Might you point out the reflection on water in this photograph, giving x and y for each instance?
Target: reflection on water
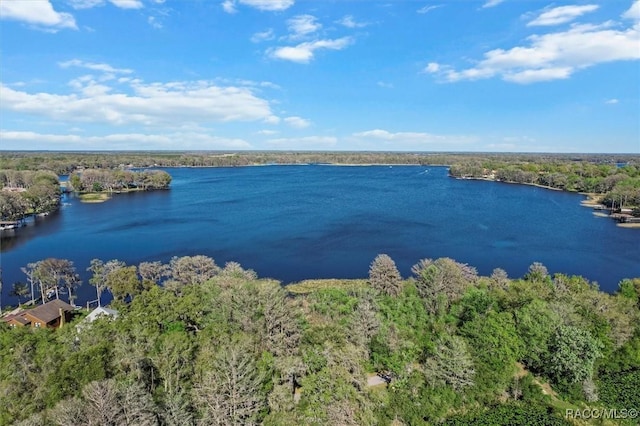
(34, 227)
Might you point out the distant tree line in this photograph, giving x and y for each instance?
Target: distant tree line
(618, 186)
(99, 180)
(67, 162)
(200, 344)
(27, 192)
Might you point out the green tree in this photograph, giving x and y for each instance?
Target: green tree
(12, 206)
(536, 324)
(495, 346)
(19, 290)
(123, 282)
(572, 355)
(100, 272)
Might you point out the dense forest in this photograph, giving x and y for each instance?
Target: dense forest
(99, 180)
(25, 192)
(196, 343)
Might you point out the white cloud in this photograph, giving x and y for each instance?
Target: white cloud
(267, 5)
(562, 14)
(139, 103)
(122, 4)
(303, 52)
(304, 143)
(303, 25)
(173, 140)
(412, 140)
(297, 122)
(85, 4)
(429, 8)
(267, 132)
(349, 22)
(229, 6)
(633, 12)
(552, 56)
(385, 85)
(36, 12)
(611, 101)
(263, 36)
(127, 4)
(154, 22)
(492, 3)
(534, 76)
(270, 5)
(432, 67)
(94, 66)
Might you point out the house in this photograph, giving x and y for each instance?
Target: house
(101, 312)
(52, 314)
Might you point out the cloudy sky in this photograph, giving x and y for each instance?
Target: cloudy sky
(405, 75)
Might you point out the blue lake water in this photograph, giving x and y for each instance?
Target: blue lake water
(298, 222)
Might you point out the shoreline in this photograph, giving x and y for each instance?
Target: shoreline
(488, 179)
(591, 200)
(101, 197)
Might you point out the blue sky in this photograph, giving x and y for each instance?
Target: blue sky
(396, 75)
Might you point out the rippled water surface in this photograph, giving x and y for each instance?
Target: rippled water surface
(297, 222)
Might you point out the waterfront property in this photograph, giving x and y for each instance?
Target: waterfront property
(53, 314)
(9, 224)
(101, 312)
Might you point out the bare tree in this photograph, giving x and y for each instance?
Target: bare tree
(384, 276)
(230, 393)
(176, 411)
(281, 330)
(193, 269)
(30, 271)
(499, 279)
(153, 272)
(70, 412)
(442, 281)
(537, 272)
(451, 363)
(53, 274)
(234, 270)
(102, 403)
(137, 405)
(365, 322)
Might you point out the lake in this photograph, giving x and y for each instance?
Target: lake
(298, 222)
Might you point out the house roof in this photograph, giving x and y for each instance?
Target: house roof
(49, 311)
(19, 318)
(101, 311)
